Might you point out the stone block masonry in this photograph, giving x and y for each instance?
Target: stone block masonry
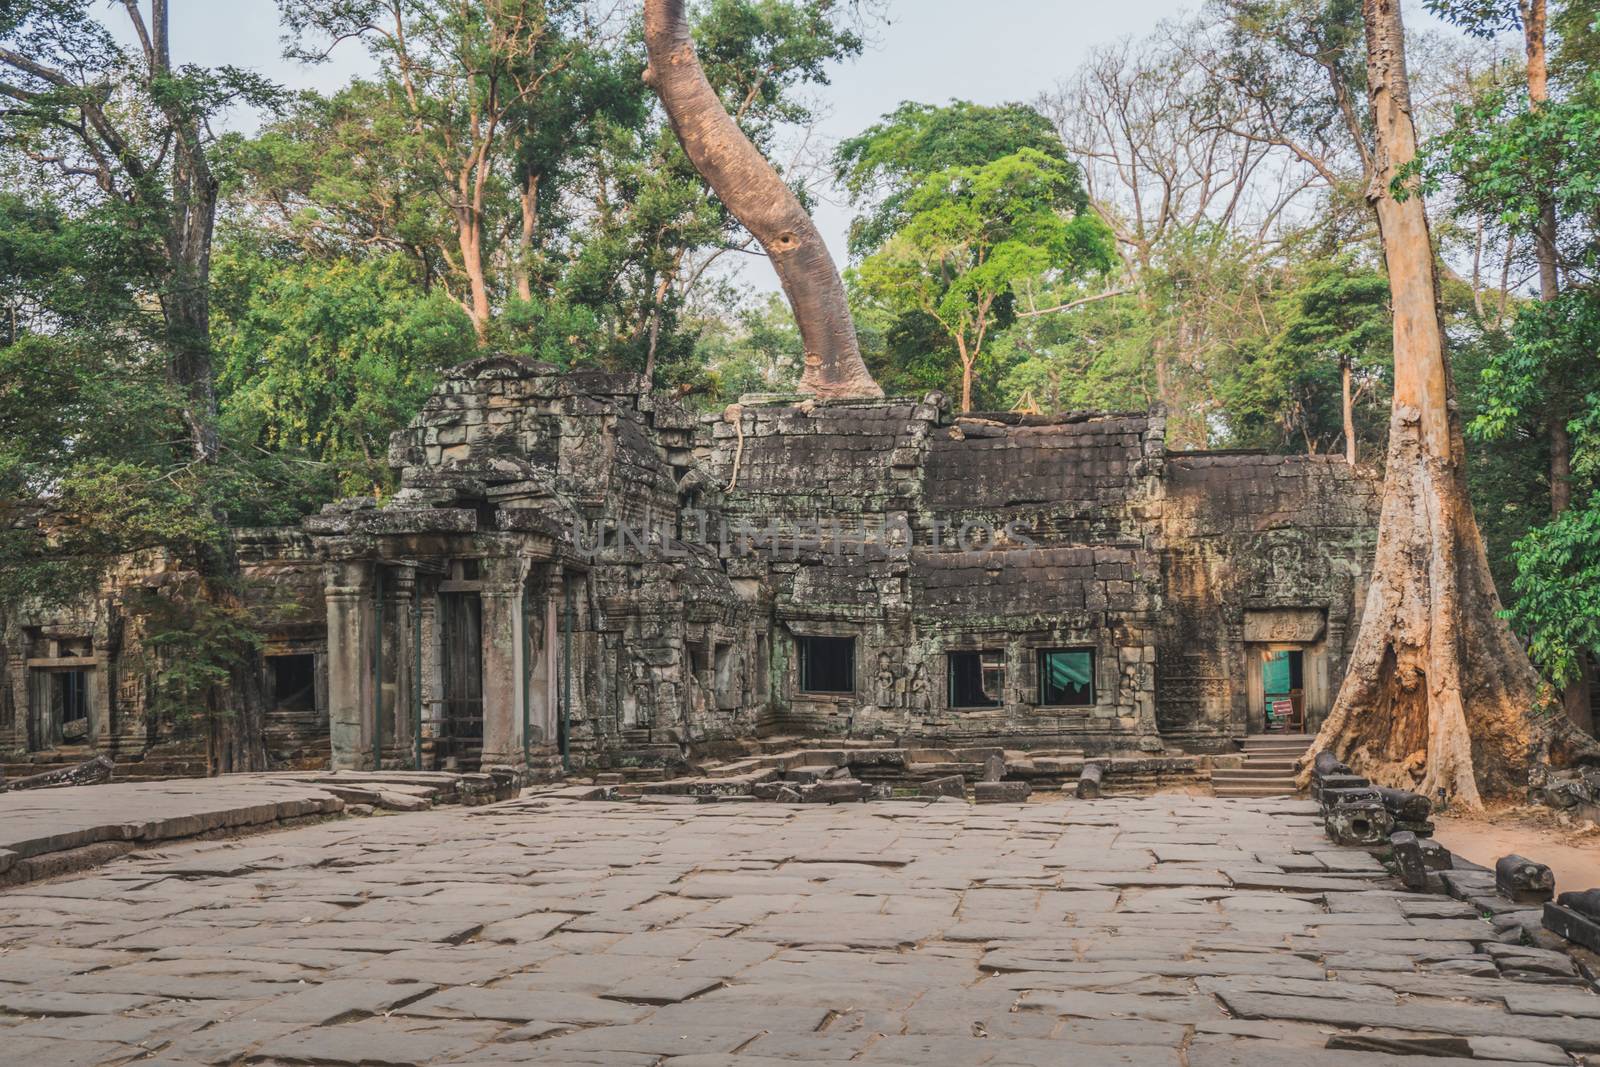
(576, 572)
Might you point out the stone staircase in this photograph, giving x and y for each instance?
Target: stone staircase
(1268, 769)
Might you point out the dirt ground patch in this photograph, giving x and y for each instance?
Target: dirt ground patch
(1573, 853)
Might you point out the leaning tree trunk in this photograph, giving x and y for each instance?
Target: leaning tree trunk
(759, 199)
(1438, 694)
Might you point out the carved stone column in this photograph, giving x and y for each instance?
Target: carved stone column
(502, 663)
(14, 703)
(347, 590)
(399, 664)
(432, 668)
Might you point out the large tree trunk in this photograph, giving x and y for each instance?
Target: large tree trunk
(759, 199)
(1438, 695)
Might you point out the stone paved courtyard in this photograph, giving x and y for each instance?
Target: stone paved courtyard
(1156, 931)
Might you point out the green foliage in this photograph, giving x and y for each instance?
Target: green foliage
(756, 53)
(759, 351)
(973, 235)
(1558, 591)
(1503, 157)
(190, 647)
(325, 360)
(883, 165)
(1337, 316)
(1481, 18)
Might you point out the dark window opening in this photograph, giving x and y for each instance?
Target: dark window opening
(1066, 677)
(72, 695)
(827, 664)
(977, 679)
(294, 682)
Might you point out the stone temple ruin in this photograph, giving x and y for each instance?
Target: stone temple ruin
(579, 573)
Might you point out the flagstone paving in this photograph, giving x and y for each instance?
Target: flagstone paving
(1170, 930)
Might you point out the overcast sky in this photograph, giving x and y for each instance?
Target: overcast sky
(991, 51)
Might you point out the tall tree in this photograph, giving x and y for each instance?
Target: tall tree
(460, 73)
(752, 190)
(1512, 162)
(1438, 694)
(1199, 169)
(973, 236)
(881, 167)
(126, 130)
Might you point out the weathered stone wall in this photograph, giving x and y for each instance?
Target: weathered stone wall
(996, 534)
(646, 578)
(1247, 539)
(103, 635)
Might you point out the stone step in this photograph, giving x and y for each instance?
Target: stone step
(1274, 753)
(1289, 740)
(1270, 763)
(1254, 774)
(1253, 791)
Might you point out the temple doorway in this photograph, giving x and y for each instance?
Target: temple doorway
(459, 743)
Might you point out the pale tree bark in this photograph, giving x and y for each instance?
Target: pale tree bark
(1438, 695)
(755, 194)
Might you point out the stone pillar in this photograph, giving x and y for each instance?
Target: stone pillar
(347, 589)
(101, 678)
(399, 664)
(502, 663)
(14, 711)
(432, 670)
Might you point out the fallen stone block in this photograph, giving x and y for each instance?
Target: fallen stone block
(1575, 927)
(1524, 881)
(90, 772)
(1326, 763)
(836, 791)
(1434, 855)
(1001, 792)
(1363, 824)
(949, 786)
(1421, 829)
(1406, 806)
(1467, 884)
(1408, 859)
(1319, 784)
(1089, 781)
(1355, 796)
(1585, 902)
(390, 801)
